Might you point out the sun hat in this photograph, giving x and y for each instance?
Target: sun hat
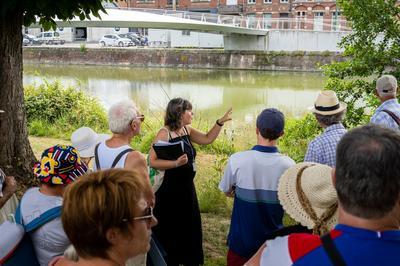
(59, 165)
(272, 119)
(386, 85)
(327, 103)
(307, 194)
(84, 139)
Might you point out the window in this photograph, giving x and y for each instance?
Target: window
(251, 20)
(285, 1)
(186, 33)
(267, 20)
(301, 14)
(267, 1)
(284, 20)
(56, 34)
(251, 2)
(336, 21)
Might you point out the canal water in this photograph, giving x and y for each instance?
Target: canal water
(210, 91)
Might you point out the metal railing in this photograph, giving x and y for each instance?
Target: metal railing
(250, 22)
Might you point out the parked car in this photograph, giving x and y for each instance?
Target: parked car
(30, 40)
(115, 40)
(25, 41)
(50, 37)
(132, 36)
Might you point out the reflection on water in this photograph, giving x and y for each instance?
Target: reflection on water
(210, 91)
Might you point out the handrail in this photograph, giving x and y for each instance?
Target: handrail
(250, 22)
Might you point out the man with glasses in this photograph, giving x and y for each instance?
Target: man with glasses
(124, 120)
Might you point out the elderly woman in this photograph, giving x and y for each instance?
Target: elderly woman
(107, 218)
(177, 209)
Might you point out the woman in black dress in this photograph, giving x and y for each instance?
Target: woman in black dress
(177, 209)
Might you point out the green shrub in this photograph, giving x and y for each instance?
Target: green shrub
(211, 199)
(298, 133)
(55, 111)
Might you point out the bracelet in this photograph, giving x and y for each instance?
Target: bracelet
(218, 123)
(176, 164)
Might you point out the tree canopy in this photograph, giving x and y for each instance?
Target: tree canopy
(16, 156)
(45, 11)
(372, 49)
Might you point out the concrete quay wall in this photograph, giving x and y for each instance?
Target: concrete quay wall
(181, 58)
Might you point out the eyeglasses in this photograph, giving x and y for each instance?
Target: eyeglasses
(140, 117)
(148, 216)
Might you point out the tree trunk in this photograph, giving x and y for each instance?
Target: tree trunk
(16, 156)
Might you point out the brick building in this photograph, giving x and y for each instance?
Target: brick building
(271, 14)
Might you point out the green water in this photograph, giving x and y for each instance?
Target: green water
(210, 91)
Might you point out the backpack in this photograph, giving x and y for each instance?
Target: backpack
(16, 247)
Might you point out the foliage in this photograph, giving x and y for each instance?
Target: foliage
(211, 199)
(83, 48)
(56, 111)
(298, 133)
(373, 48)
(45, 11)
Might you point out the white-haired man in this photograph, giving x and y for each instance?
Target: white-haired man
(388, 113)
(124, 121)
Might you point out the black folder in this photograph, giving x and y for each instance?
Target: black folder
(168, 150)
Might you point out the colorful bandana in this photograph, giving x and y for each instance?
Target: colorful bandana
(60, 165)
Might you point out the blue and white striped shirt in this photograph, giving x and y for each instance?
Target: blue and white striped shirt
(384, 119)
(322, 149)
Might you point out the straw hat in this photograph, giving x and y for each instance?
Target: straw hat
(84, 139)
(316, 184)
(327, 103)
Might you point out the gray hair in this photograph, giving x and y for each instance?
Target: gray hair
(386, 85)
(120, 116)
(329, 120)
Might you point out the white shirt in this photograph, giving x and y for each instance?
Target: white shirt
(107, 156)
(49, 240)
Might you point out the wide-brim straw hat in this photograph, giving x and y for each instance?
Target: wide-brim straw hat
(84, 139)
(316, 183)
(327, 103)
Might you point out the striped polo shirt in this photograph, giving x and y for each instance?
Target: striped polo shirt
(254, 175)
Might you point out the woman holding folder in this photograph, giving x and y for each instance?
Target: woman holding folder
(177, 209)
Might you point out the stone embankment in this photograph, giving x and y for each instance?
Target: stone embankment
(181, 58)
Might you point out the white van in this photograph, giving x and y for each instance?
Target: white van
(50, 37)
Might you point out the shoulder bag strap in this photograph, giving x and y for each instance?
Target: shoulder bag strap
(43, 218)
(332, 251)
(96, 157)
(186, 131)
(393, 116)
(116, 160)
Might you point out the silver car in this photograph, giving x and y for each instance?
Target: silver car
(115, 40)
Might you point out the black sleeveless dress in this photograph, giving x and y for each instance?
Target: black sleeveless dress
(177, 211)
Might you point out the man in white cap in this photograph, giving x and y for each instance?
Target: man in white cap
(329, 113)
(388, 113)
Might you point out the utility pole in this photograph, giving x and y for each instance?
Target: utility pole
(174, 5)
